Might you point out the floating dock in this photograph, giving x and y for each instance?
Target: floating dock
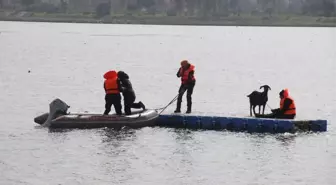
(57, 117)
(251, 125)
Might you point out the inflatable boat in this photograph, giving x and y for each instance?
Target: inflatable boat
(59, 118)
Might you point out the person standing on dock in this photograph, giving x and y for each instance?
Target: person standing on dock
(112, 88)
(188, 81)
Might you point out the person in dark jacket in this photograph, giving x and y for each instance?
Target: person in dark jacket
(287, 108)
(128, 94)
(188, 81)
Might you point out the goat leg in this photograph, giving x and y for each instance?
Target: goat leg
(263, 109)
(250, 109)
(259, 109)
(254, 110)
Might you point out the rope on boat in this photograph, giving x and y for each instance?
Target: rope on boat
(164, 108)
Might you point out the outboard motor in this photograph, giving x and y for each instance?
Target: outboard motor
(56, 108)
(41, 118)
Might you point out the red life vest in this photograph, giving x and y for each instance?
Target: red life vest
(185, 74)
(292, 108)
(111, 86)
(111, 82)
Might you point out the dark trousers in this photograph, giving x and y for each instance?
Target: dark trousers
(115, 100)
(183, 88)
(129, 103)
(276, 114)
(280, 115)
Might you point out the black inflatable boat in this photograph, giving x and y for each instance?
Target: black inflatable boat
(59, 118)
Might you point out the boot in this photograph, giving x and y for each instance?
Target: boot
(178, 105)
(188, 110)
(142, 105)
(178, 108)
(188, 103)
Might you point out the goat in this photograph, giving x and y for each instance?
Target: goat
(258, 99)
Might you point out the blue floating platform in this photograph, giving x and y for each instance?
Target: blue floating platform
(248, 124)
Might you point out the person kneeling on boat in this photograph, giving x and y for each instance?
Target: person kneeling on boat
(128, 94)
(287, 108)
(112, 88)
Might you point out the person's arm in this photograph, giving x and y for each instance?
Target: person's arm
(120, 87)
(104, 86)
(287, 103)
(190, 76)
(178, 73)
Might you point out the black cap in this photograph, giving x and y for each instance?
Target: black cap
(122, 75)
(281, 93)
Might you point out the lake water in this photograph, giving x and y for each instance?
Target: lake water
(67, 61)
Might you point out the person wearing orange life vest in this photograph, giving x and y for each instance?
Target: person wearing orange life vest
(287, 108)
(112, 88)
(188, 81)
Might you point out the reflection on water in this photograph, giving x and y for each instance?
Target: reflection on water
(116, 138)
(286, 139)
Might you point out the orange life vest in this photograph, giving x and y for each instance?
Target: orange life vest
(185, 74)
(292, 108)
(111, 82)
(111, 86)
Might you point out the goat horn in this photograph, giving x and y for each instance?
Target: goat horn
(266, 86)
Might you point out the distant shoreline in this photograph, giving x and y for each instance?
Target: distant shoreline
(290, 21)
